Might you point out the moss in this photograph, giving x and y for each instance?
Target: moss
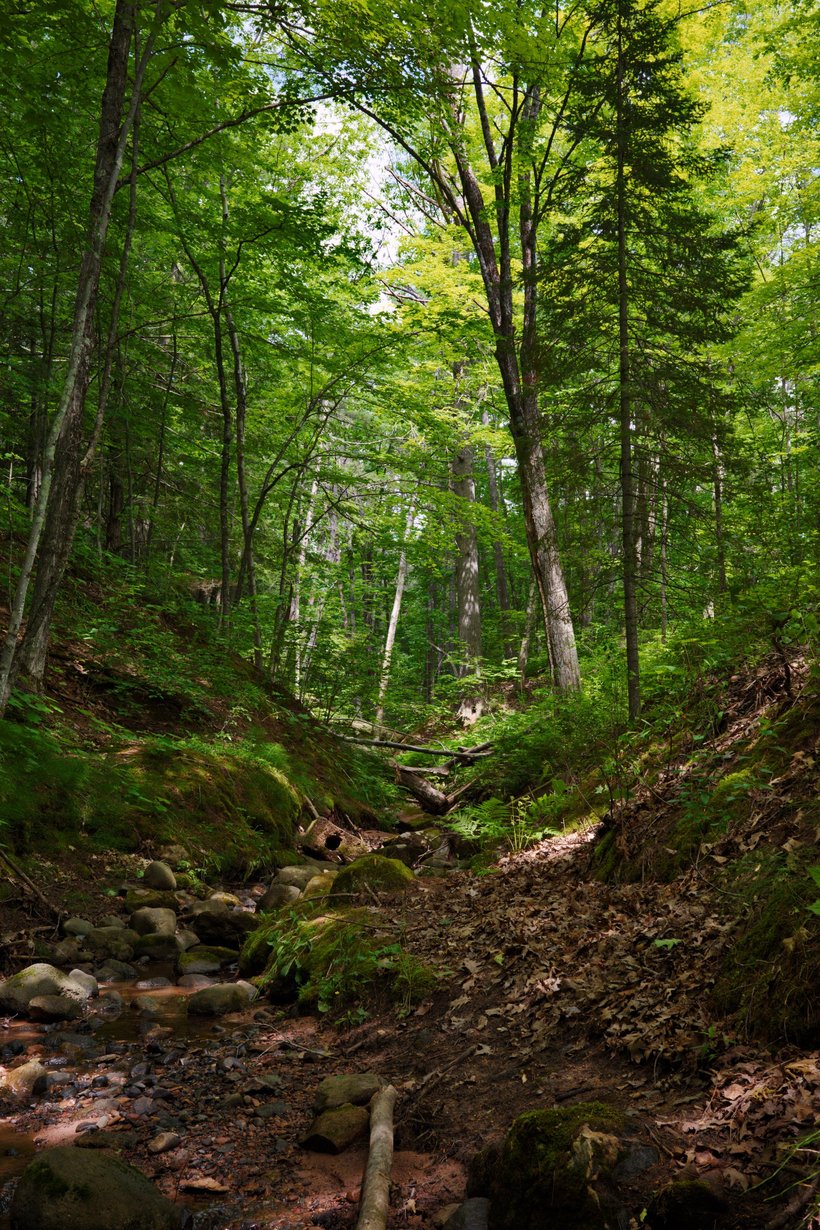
(686, 1204)
(537, 1172)
(41, 1175)
(373, 872)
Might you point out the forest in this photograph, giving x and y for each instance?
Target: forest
(409, 697)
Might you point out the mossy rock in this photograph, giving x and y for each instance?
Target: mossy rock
(553, 1168)
(157, 947)
(150, 899)
(687, 1204)
(319, 886)
(256, 950)
(203, 959)
(373, 873)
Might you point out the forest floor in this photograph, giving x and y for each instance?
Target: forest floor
(552, 990)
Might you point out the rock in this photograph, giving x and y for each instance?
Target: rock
(221, 926)
(149, 898)
(205, 960)
(164, 1141)
(18, 991)
(150, 920)
(112, 999)
(88, 1189)
(87, 981)
(473, 1214)
(635, 1161)
(295, 877)
(54, 1008)
(318, 886)
(157, 947)
(148, 1005)
(277, 896)
(67, 952)
(441, 1216)
(187, 939)
(194, 982)
(116, 971)
(687, 1204)
(355, 1089)
(228, 899)
(116, 942)
(336, 1130)
(77, 927)
(159, 875)
(374, 873)
(219, 999)
(21, 1082)
(111, 920)
(173, 855)
(553, 1167)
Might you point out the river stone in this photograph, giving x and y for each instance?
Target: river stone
(318, 886)
(336, 1130)
(149, 1005)
(355, 1088)
(116, 942)
(111, 920)
(164, 1141)
(17, 991)
(222, 997)
(67, 952)
(86, 1189)
(54, 1008)
(204, 959)
(222, 898)
(187, 939)
(277, 896)
(87, 981)
(159, 875)
(195, 982)
(227, 929)
(20, 1082)
(157, 947)
(152, 921)
(149, 898)
(295, 877)
(115, 971)
(473, 1214)
(77, 926)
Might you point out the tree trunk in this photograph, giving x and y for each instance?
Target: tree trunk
(52, 527)
(501, 587)
(393, 624)
(468, 593)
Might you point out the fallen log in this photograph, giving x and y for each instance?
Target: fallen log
(463, 753)
(431, 800)
(375, 1201)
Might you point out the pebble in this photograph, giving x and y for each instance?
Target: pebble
(142, 1106)
(164, 1141)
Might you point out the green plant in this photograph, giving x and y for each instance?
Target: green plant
(814, 874)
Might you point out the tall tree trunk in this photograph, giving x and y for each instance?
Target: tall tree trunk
(529, 622)
(393, 623)
(502, 591)
(630, 563)
(717, 499)
(468, 592)
(53, 522)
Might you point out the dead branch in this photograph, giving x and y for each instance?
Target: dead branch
(375, 1202)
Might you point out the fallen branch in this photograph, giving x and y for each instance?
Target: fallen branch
(462, 754)
(432, 800)
(375, 1202)
(23, 881)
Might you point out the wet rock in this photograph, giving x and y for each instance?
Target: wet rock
(149, 920)
(159, 875)
(86, 1189)
(553, 1167)
(355, 1089)
(112, 920)
(20, 1082)
(336, 1130)
(77, 927)
(85, 980)
(219, 999)
(204, 959)
(277, 896)
(687, 1204)
(54, 1008)
(164, 1141)
(195, 982)
(187, 939)
(228, 899)
(116, 942)
(149, 1005)
(17, 991)
(116, 971)
(154, 984)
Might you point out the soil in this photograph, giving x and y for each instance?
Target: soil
(551, 990)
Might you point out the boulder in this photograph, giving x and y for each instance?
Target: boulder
(149, 898)
(54, 1008)
(77, 926)
(278, 895)
(88, 1189)
(219, 999)
(205, 960)
(158, 947)
(553, 1167)
(318, 886)
(687, 1204)
(21, 1082)
(187, 939)
(67, 952)
(116, 942)
(336, 1130)
(295, 877)
(373, 873)
(221, 926)
(20, 989)
(355, 1089)
(111, 920)
(87, 981)
(151, 920)
(159, 875)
